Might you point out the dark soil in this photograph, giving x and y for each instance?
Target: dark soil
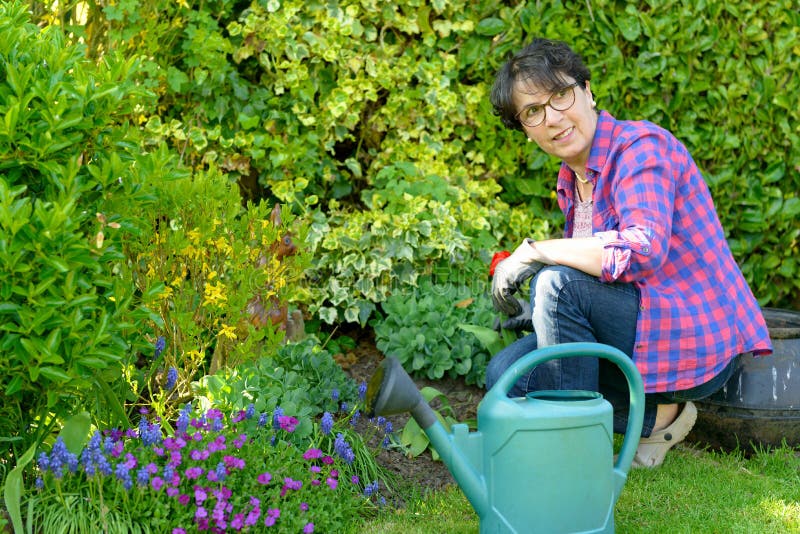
(422, 470)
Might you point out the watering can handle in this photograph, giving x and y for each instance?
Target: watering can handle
(568, 350)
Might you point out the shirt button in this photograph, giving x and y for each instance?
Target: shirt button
(642, 307)
(646, 250)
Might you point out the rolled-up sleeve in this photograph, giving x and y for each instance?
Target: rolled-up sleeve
(618, 248)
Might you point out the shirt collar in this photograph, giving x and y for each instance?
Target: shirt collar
(597, 156)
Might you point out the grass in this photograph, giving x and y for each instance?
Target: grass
(694, 491)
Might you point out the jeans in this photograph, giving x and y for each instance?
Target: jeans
(570, 305)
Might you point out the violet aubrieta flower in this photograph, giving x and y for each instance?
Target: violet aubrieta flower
(194, 473)
(272, 515)
(288, 423)
(172, 379)
(312, 454)
(327, 423)
(308, 528)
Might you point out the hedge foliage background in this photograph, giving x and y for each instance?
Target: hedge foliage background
(371, 120)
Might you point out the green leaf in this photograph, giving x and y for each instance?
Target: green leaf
(13, 489)
(490, 27)
(75, 432)
(55, 374)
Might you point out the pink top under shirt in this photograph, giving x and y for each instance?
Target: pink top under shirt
(583, 217)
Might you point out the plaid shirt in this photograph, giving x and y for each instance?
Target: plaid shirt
(655, 216)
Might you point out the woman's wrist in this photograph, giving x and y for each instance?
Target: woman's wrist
(540, 256)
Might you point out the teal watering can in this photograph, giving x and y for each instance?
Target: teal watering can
(540, 463)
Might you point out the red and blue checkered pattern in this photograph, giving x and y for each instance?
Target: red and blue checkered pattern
(656, 217)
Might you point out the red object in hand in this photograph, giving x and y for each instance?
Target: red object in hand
(497, 258)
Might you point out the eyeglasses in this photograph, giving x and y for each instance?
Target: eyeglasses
(561, 100)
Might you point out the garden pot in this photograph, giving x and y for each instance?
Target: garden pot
(760, 405)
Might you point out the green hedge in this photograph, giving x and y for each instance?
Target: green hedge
(308, 102)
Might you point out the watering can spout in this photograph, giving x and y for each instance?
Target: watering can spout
(391, 391)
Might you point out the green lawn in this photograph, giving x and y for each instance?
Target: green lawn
(693, 492)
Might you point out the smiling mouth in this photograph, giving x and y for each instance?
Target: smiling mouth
(563, 134)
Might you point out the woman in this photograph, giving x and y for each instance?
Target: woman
(643, 266)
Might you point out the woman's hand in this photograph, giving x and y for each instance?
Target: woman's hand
(509, 275)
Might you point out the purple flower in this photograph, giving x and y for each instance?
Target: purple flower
(272, 515)
(343, 449)
(221, 471)
(232, 462)
(161, 344)
(157, 483)
(199, 455)
(183, 418)
(264, 478)
(172, 378)
(332, 482)
(178, 530)
(355, 418)
(308, 528)
(262, 420)
(194, 472)
(276, 415)
(362, 390)
(251, 411)
(304, 506)
(288, 423)
(312, 454)
(238, 522)
(327, 423)
(150, 434)
(142, 476)
(371, 488)
(240, 441)
(335, 395)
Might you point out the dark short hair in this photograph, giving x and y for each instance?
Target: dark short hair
(544, 63)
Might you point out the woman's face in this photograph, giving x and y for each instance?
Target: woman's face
(566, 134)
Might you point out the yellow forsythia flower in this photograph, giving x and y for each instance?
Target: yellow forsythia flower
(227, 331)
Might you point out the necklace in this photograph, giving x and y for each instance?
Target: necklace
(581, 179)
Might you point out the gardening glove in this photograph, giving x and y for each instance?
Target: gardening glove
(521, 321)
(509, 275)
